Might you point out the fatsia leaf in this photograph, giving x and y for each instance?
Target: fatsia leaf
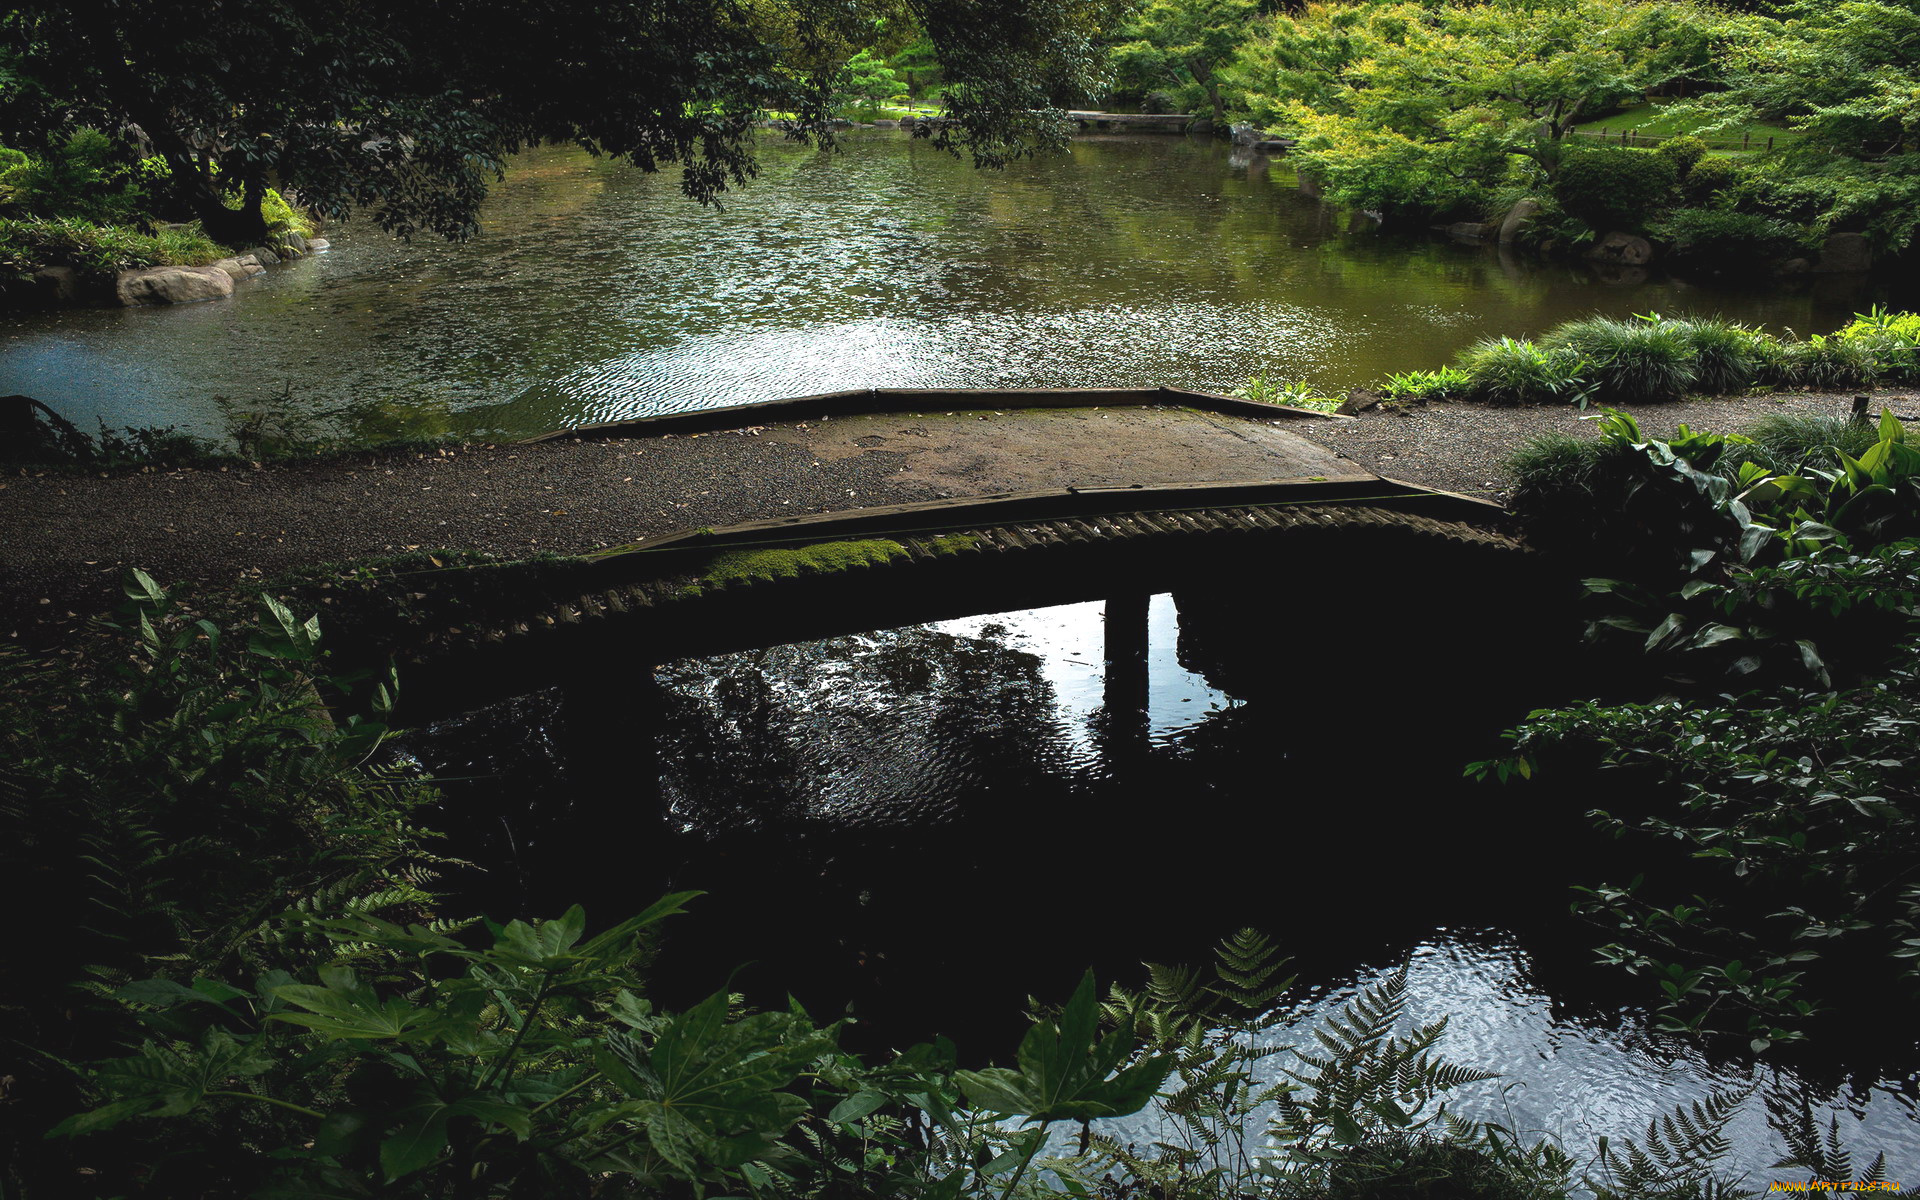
(343, 1007)
(1065, 1070)
(167, 1081)
(415, 1146)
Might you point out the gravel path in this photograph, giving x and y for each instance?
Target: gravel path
(66, 540)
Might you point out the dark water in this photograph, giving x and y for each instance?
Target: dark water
(598, 293)
(931, 823)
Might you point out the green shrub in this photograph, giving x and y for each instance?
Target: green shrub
(1613, 187)
(1642, 360)
(1710, 177)
(1505, 371)
(283, 217)
(1293, 393)
(1684, 153)
(1727, 240)
(78, 178)
(1426, 387)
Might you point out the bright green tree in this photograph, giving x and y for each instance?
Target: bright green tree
(866, 83)
(1430, 108)
(1185, 47)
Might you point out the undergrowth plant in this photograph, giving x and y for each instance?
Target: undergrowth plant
(1290, 392)
(1796, 571)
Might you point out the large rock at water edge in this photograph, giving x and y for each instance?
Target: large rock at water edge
(172, 285)
(59, 285)
(1844, 252)
(1517, 218)
(241, 266)
(1623, 249)
(318, 244)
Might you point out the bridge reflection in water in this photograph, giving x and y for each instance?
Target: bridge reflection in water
(932, 821)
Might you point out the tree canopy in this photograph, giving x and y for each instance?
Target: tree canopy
(1432, 105)
(407, 112)
(1186, 47)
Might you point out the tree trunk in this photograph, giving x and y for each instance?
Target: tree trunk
(239, 227)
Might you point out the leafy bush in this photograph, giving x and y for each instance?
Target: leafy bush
(1426, 387)
(1505, 371)
(1796, 809)
(283, 217)
(1291, 392)
(1613, 187)
(1684, 153)
(1710, 177)
(1641, 360)
(1727, 240)
(1824, 364)
(1789, 442)
(76, 179)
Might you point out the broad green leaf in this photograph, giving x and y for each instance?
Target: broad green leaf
(856, 1106)
(415, 1146)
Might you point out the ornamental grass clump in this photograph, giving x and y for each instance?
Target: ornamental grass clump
(1727, 356)
(1643, 360)
(1506, 371)
(1789, 442)
(1825, 364)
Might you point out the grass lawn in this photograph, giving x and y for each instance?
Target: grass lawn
(1653, 123)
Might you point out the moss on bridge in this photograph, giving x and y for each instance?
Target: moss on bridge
(765, 565)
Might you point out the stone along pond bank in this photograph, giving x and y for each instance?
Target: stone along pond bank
(63, 286)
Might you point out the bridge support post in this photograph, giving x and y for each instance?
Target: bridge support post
(1125, 682)
(616, 813)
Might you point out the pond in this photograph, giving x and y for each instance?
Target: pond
(928, 824)
(598, 293)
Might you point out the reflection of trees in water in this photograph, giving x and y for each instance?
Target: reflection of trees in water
(905, 725)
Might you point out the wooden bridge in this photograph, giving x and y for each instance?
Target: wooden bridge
(813, 575)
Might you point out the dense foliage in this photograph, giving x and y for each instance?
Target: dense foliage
(1776, 584)
(407, 112)
(312, 1028)
(1455, 111)
(1433, 109)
